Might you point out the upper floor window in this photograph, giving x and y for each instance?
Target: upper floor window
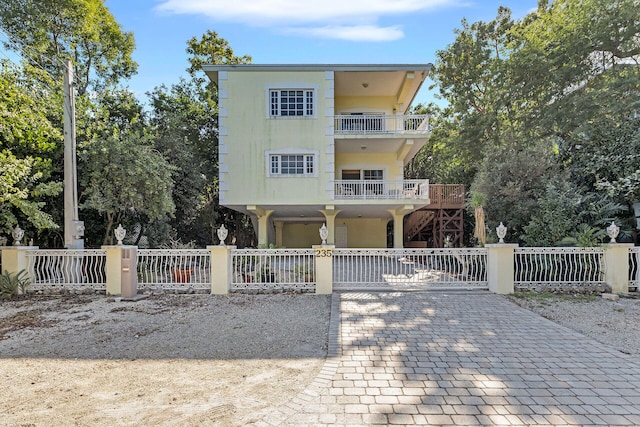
(292, 102)
(292, 164)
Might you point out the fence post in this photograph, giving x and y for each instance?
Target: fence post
(221, 269)
(14, 258)
(114, 267)
(616, 273)
(324, 268)
(500, 267)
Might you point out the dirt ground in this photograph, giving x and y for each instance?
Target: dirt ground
(179, 360)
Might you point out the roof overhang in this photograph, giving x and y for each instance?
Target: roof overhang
(401, 81)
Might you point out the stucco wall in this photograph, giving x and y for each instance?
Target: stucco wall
(386, 161)
(247, 134)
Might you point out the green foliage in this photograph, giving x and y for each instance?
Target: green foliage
(83, 31)
(512, 183)
(564, 76)
(12, 284)
(123, 175)
(211, 49)
(567, 216)
(28, 141)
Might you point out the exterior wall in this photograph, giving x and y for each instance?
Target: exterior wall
(361, 233)
(393, 169)
(365, 104)
(365, 232)
(247, 134)
(301, 235)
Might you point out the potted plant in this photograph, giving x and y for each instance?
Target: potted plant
(181, 270)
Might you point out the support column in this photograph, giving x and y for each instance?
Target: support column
(324, 268)
(617, 267)
(263, 223)
(279, 227)
(398, 224)
(500, 267)
(221, 269)
(330, 214)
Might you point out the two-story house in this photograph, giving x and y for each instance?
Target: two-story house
(303, 145)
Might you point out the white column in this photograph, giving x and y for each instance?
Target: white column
(500, 267)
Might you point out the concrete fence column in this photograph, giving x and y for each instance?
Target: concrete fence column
(500, 267)
(121, 266)
(324, 268)
(221, 269)
(14, 258)
(616, 273)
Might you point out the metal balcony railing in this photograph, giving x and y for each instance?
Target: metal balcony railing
(347, 189)
(371, 124)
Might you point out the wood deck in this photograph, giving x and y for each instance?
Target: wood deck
(446, 196)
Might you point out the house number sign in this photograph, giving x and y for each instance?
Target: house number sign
(324, 253)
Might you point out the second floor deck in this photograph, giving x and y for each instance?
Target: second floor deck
(381, 124)
(439, 196)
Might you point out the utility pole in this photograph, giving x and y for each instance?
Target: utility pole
(73, 227)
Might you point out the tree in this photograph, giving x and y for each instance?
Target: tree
(512, 182)
(49, 32)
(184, 119)
(29, 147)
(211, 49)
(124, 176)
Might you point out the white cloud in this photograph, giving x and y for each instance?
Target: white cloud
(356, 33)
(354, 20)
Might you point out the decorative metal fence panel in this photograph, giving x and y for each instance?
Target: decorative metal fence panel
(556, 267)
(57, 269)
(174, 269)
(449, 268)
(273, 269)
(634, 267)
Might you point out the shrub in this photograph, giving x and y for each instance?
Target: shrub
(12, 284)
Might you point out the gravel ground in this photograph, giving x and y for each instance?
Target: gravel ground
(184, 360)
(178, 360)
(616, 323)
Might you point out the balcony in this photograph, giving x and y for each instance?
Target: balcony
(347, 189)
(381, 124)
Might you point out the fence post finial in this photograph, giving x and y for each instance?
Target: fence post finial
(120, 232)
(501, 231)
(612, 231)
(222, 234)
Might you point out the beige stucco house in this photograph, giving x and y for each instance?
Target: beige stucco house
(303, 145)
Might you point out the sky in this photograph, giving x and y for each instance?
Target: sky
(298, 31)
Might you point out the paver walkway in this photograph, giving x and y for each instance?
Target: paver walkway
(461, 359)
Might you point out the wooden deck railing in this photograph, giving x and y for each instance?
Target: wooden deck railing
(451, 195)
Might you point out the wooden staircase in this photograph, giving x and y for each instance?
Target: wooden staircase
(442, 219)
(416, 222)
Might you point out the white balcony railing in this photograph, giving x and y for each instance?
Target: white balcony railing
(347, 189)
(368, 124)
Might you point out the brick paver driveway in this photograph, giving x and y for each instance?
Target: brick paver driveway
(461, 359)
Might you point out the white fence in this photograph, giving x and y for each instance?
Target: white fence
(295, 269)
(634, 267)
(556, 267)
(273, 269)
(174, 269)
(54, 270)
(410, 268)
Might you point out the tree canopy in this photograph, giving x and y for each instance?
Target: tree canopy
(564, 79)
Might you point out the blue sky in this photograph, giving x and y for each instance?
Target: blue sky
(297, 31)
